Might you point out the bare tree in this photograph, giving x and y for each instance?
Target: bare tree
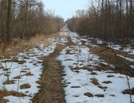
(3, 11)
(9, 19)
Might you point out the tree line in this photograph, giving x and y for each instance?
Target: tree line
(110, 20)
(26, 18)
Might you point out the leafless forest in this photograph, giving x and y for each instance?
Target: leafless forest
(110, 20)
(26, 18)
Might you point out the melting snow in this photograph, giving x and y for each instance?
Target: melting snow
(79, 86)
(78, 82)
(26, 70)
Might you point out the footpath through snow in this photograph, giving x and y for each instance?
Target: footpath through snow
(19, 75)
(84, 84)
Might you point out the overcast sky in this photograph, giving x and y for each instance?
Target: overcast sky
(65, 8)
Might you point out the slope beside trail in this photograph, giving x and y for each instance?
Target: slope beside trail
(92, 76)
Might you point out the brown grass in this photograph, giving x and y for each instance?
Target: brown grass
(17, 46)
(93, 73)
(29, 74)
(51, 86)
(88, 94)
(40, 39)
(5, 92)
(9, 82)
(99, 95)
(107, 82)
(75, 69)
(13, 48)
(109, 57)
(75, 87)
(15, 60)
(110, 76)
(127, 91)
(17, 77)
(95, 82)
(106, 55)
(25, 86)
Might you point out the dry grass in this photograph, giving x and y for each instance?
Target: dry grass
(9, 82)
(29, 74)
(17, 77)
(25, 86)
(15, 60)
(14, 93)
(2, 46)
(127, 91)
(106, 55)
(109, 57)
(95, 82)
(75, 87)
(17, 46)
(57, 35)
(99, 95)
(107, 82)
(5, 92)
(13, 48)
(88, 94)
(93, 73)
(75, 69)
(51, 87)
(40, 39)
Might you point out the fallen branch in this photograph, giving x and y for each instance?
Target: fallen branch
(124, 62)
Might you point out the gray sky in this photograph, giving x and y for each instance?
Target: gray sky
(65, 8)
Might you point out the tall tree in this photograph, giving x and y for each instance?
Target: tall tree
(26, 18)
(3, 12)
(9, 20)
(133, 19)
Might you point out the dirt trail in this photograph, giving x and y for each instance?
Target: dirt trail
(51, 87)
(50, 83)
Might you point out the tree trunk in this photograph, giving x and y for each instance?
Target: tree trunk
(9, 20)
(25, 22)
(127, 21)
(117, 21)
(2, 21)
(102, 19)
(131, 18)
(120, 19)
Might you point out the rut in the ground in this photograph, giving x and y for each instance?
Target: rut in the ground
(51, 87)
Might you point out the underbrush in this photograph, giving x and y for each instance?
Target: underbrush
(106, 54)
(17, 45)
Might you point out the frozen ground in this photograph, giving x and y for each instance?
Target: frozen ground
(80, 84)
(22, 72)
(91, 86)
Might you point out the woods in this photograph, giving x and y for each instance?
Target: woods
(26, 18)
(87, 59)
(110, 20)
